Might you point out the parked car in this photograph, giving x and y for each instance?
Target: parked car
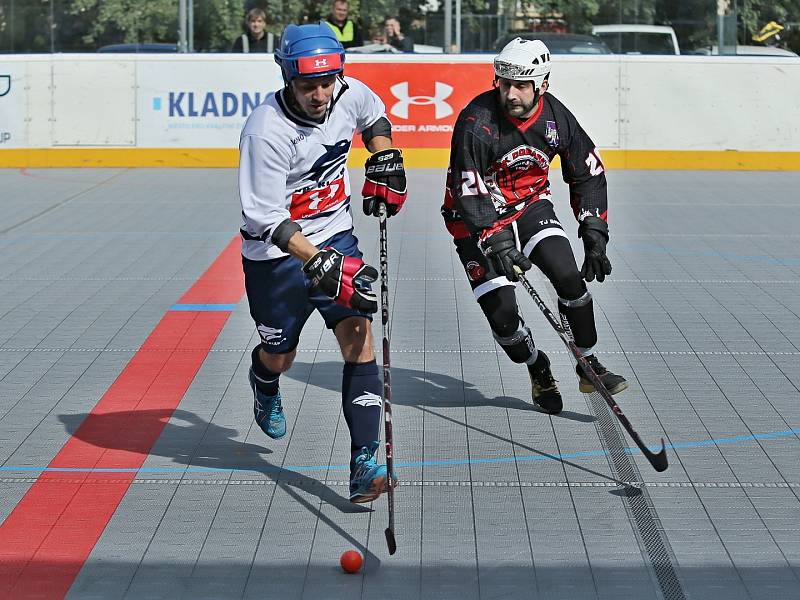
(135, 48)
(625, 38)
(560, 43)
(744, 50)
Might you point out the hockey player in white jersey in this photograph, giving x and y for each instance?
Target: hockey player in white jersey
(299, 251)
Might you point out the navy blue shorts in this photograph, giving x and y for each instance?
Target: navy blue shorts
(281, 297)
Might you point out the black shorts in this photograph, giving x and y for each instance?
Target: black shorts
(537, 222)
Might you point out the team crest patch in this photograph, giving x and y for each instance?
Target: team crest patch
(475, 271)
(551, 134)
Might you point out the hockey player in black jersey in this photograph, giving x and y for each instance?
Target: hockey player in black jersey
(498, 208)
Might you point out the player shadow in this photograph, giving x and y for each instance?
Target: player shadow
(427, 391)
(189, 440)
(200, 443)
(411, 387)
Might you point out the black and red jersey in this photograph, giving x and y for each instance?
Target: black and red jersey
(499, 165)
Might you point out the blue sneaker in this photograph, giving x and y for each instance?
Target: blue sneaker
(368, 479)
(268, 411)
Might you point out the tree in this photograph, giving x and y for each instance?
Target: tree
(127, 21)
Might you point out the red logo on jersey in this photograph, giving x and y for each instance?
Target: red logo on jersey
(312, 202)
(521, 173)
(475, 271)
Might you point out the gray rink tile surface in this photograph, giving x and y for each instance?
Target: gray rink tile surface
(496, 500)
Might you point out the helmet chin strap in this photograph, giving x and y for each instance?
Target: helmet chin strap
(289, 95)
(344, 87)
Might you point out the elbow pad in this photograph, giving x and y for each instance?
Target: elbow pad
(283, 233)
(381, 127)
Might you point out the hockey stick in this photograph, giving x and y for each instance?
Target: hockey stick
(387, 384)
(659, 461)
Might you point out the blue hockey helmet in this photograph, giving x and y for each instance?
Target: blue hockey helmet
(309, 51)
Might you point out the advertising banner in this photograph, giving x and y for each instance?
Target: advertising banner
(423, 99)
(200, 103)
(12, 105)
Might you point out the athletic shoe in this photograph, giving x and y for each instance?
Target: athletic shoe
(268, 411)
(544, 387)
(613, 383)
(368, 479)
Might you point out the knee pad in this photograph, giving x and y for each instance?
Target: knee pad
(518, 346)
(569, 284)
(577, 316)
(500, 308)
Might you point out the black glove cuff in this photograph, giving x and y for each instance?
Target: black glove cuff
(593, 224)
(283, 233)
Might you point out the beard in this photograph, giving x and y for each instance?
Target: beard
(519, 109)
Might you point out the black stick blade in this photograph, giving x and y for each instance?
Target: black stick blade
(390, 541)
(659, 461)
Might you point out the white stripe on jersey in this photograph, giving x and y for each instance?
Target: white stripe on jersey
(292, 168)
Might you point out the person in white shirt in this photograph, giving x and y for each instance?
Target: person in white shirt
(299, 251)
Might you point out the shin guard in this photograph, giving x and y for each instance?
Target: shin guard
(577, 316)
(519, 345)
(361, 403)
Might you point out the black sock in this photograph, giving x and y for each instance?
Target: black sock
(267, 382)
(361, 403)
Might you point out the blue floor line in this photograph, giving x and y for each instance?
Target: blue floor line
(406, 465)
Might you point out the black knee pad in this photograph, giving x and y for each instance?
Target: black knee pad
(500, 308)
(569, 284)
(578, 316)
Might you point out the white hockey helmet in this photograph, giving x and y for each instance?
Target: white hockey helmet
(523, 60)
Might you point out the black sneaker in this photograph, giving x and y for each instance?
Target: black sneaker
(614, 383)
(544, 387)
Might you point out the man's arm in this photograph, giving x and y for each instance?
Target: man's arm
(581, 167)
(378, 143)
(469, 161)
(584, 172)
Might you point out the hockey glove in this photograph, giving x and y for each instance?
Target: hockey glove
(594, 232)
(385, 182)
(501, 250)
(346, 279)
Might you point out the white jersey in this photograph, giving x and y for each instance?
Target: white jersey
(291, 167)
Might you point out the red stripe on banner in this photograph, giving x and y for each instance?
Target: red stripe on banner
(48, 536)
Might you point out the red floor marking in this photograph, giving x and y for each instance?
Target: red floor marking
(48, 536)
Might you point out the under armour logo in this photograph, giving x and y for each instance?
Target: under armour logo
(368, 399)
(5, 85)
(400, 91)
(321, 62)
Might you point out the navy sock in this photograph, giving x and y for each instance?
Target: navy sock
(267, 382)
(361, 403)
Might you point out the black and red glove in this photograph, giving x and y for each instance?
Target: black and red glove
(385, 182)
(346, 279)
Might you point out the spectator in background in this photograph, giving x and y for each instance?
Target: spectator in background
(346, 31)
(377, 36)
(395, 37)
(256, 39)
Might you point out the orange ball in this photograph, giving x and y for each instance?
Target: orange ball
(351, 561)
